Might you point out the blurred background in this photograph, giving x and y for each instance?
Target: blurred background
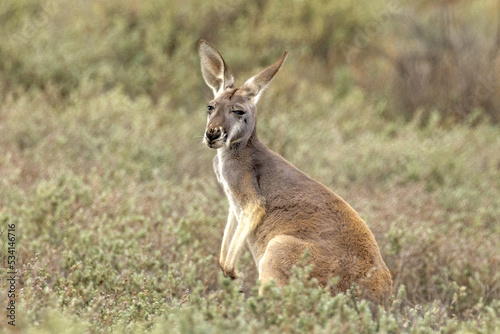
(392, 104)
(408, 56)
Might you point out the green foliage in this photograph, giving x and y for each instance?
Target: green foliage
(118, 215)
(429, 56)
(415, 57)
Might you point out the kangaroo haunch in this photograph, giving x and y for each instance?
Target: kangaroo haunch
(273, 206)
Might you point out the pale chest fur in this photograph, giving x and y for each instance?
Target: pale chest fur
(222, 176)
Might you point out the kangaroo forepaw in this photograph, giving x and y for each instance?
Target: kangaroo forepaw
(230, 273)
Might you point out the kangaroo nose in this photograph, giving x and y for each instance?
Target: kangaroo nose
(213, 134)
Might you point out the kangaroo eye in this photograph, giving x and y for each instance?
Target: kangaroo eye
(210, 109)
(239, 112)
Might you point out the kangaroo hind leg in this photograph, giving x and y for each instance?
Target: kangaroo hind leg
(281, 254)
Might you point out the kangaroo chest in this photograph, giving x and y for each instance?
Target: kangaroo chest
(223, 171)
(231, 180)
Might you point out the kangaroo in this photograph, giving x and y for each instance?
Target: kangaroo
(274, 207)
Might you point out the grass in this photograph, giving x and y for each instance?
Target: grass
(118, 214)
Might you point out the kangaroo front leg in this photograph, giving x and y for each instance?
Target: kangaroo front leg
(229, 231)
(250, 218)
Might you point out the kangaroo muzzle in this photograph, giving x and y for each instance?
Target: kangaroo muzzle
(215, 137)
(213, 134)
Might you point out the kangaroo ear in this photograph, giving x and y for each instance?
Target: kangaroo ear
(258, 83)
(214, 68)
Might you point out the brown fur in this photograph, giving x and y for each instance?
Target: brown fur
(276, 208)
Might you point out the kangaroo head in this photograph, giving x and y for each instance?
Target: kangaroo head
(231, 115)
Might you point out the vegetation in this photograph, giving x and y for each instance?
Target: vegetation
(119, 217)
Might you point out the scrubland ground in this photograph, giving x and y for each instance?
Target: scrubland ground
(118, 216)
